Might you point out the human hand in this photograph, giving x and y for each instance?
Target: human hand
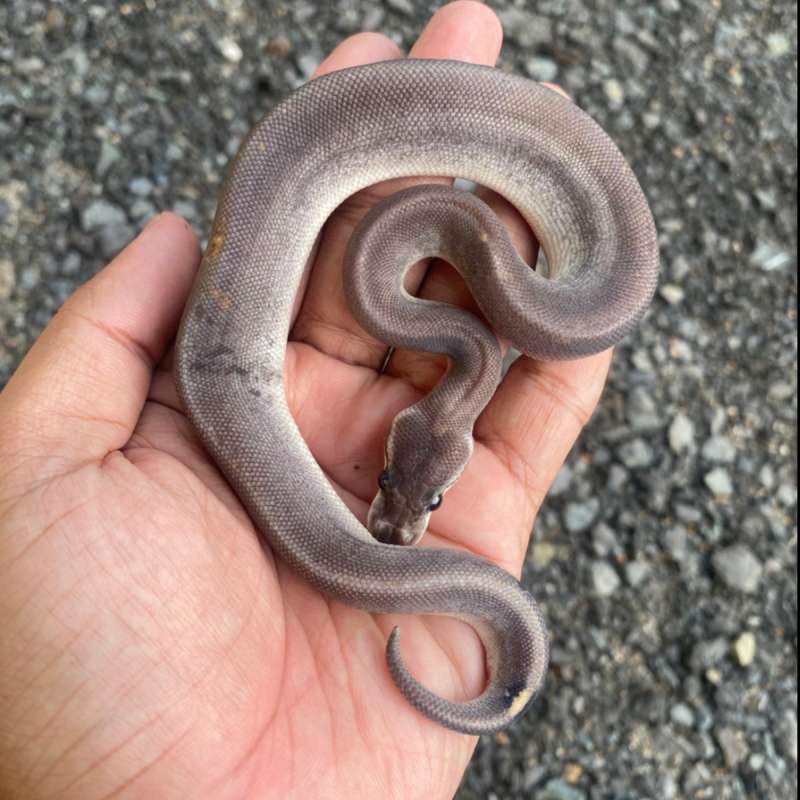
(149, 645)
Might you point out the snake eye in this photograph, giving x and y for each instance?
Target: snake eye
(384, 480)
(435, 503)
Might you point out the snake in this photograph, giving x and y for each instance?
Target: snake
(325, 141)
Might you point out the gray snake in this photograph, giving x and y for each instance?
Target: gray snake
(330, 138)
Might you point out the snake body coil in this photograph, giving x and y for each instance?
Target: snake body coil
(332, 137)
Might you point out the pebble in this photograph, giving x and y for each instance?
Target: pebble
(676, 542)
(615, 92)
(141, 186)
(401, 7)
(559, 789)
(541, 68)
(770, 256)
(733, 746)
(229, 49)
(636, 572)
(579, 516)
(113, 238)
(719, 482)
(636, 454)
(7, 279)
(605, 580)
(672, 294)
(681, 434)
(745, 649)
(526, 29)
(604, 540)
(778, 44)
(101, 214)
(542, 553)
(562, 481)
(719, 450)
(682, 715)
(738, 568)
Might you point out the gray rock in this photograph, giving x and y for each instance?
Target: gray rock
(738, 568)
(604, 540)
(562, 481)
(676, 542)
(526, 29)
(681, 434)
(605, 580)
(559, 789)
(770, 256)
(672, 294)
(719, 482)
(733, 746)
(636, 572)
(541, 68)
(615, 92)
(7, 278)
(636, 454)
(101, 214)
(682, 715)
(141, 186)
(113, 238)
(405, 7)
(719, 450)
(580, 515)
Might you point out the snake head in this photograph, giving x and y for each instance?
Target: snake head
(398, 517)
(420, 468)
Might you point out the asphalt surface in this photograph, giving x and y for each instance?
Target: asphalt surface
(665, 555)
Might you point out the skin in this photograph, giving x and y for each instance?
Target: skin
(144, 627)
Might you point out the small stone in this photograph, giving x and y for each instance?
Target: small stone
(780, 390)
(573, 773)
(719, 449)
(636, 454)
(579, 516)
(787, 495)
(745, 649)
(719, 482)
(714, 676)
(559, 789)
(733, 745)
(615, 92)
(681, 434)
(541, 68)
(542, 553)
(230, 50)
(778, 44)
(770, 256)
(676, 542)
(617, 477)
(402, 7)
(636, 572)
(605, 580)
(672, 294)
(101, 214)
(604, 540)
(113, 238)
(682, 715)
(308, 62)
(142, 187)
(279, 46)
(7, 279)
(738, 568)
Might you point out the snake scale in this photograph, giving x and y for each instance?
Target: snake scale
(325, 141)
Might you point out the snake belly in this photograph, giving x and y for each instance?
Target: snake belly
(327, 140)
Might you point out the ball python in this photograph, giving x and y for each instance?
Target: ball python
(324, 142)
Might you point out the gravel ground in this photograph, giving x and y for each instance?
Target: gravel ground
(665, 556)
